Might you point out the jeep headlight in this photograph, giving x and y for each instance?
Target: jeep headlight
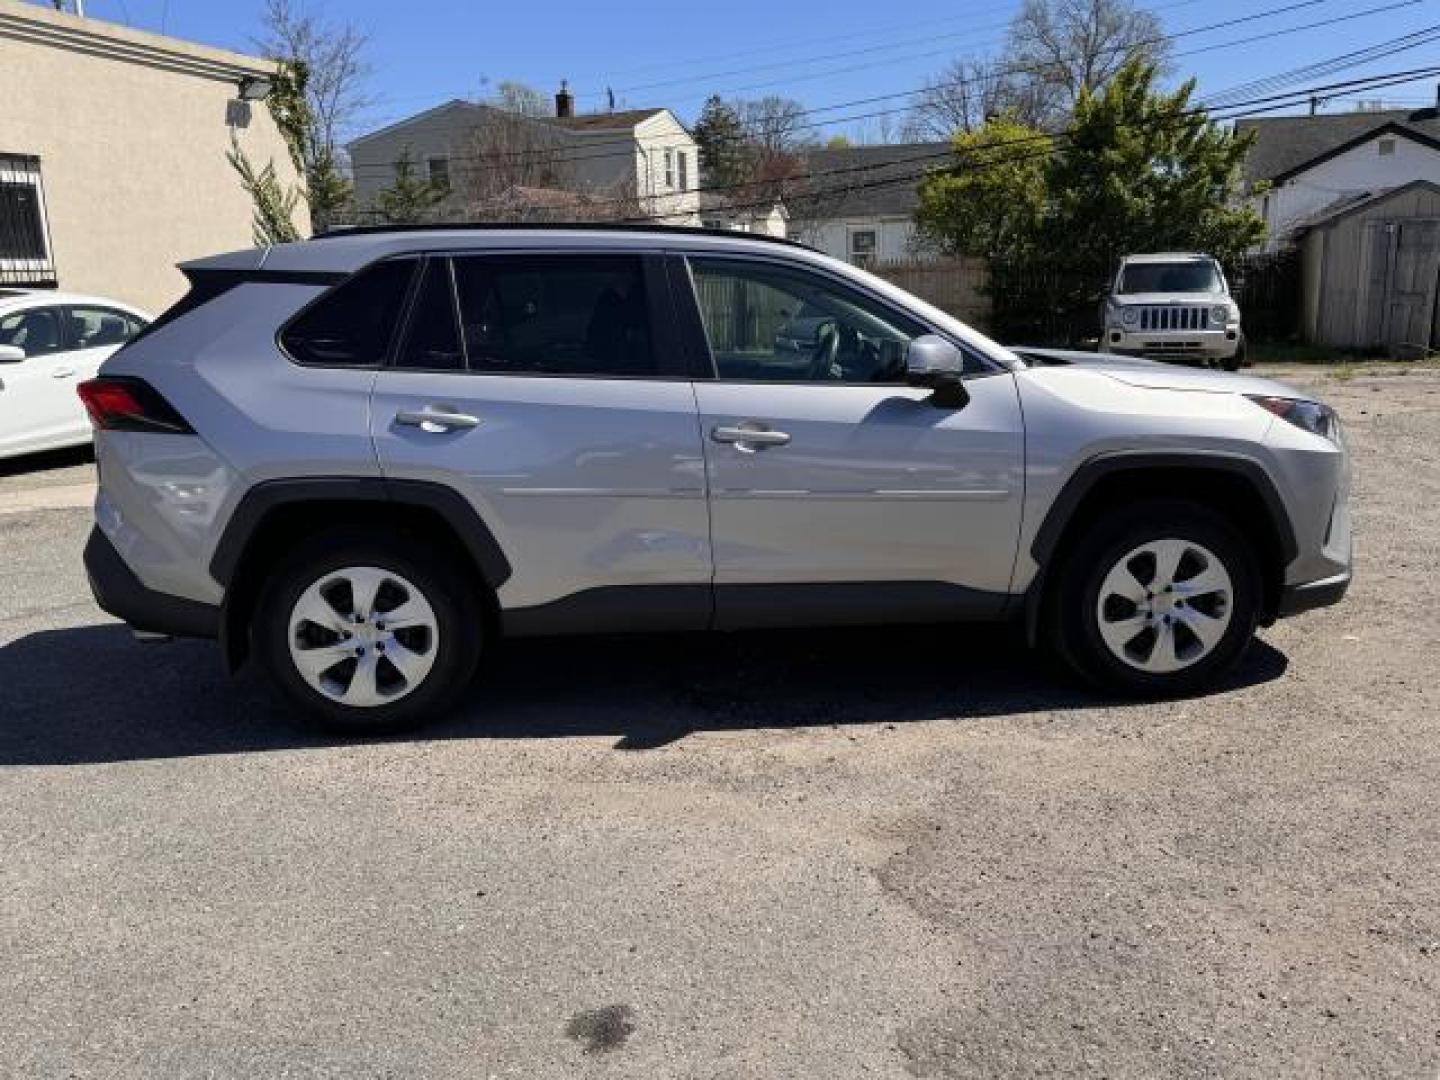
(1129, 316)
(1220, 314)
(1309, 416)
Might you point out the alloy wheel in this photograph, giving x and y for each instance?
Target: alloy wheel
(1165, 605)
(363, 636)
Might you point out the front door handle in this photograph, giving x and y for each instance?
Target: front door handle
(749, 435)
(62, 373)
(437, 418)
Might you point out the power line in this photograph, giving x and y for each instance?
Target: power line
(928, 40)
(1238, 110)
(809, 43)
(1254, 107)
(627, 146)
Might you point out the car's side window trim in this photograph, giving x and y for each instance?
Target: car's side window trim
(683, 283)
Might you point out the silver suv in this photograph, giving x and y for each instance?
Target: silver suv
(361, 459)
(1173, 307)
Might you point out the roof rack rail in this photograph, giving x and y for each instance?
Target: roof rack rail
(557, 226)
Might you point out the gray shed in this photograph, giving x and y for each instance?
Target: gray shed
(1370, 271)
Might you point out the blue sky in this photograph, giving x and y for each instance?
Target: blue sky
(821, 52)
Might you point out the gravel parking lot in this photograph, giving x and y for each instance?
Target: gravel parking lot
(894, 853)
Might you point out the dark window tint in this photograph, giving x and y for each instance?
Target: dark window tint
(555, 315)
(432, 342)
(36, 331)
(352, 326)
(1170, 277)
(770, 323)
(94, 327)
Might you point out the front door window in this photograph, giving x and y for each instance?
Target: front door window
(766, 323)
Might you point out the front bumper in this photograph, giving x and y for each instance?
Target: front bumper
(1171, 344)
(1295, 599)
(118, 591)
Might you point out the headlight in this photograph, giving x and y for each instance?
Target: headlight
(1310, 416)
(1129, 315)
(1220, 314)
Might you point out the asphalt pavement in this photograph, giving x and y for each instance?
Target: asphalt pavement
(876, 853)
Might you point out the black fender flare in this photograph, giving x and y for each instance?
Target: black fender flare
(1090, 472)
(257, 504)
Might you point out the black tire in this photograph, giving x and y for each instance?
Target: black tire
(1237, 361)
(450, 595)
(1072, 619)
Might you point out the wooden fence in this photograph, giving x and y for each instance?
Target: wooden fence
(955, 286)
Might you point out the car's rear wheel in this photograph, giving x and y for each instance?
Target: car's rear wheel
(366, 637)
(1156, 599)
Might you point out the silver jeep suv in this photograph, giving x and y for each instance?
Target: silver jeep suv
(361, 459)
(1173, 307)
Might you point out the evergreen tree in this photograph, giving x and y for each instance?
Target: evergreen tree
(725, 160)
(409, 199)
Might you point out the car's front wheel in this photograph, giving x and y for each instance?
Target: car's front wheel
(1156, 599)
(365, 636)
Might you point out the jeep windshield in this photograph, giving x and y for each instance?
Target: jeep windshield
(1170, 277)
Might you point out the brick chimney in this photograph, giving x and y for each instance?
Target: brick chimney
(564, 101)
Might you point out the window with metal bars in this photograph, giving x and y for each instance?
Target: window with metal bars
(25, 257)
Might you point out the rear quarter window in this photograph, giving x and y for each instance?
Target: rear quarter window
(354, 324)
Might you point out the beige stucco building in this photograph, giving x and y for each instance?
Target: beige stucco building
(113, 154)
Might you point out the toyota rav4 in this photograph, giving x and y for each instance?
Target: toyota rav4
(361, 459)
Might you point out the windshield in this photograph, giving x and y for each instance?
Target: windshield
(1176, 277)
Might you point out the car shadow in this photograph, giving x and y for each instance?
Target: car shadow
(47, 460)
(91, 694)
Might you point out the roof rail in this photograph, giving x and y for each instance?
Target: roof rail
(557, 226)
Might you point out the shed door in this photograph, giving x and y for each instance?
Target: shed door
(1410, 284)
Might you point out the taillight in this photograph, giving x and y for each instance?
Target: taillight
(120, 403)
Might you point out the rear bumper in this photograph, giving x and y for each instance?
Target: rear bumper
(1313, 594)
(118, 591)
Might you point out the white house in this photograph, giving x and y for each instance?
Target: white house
(639, 161)
(1302, 166)
(742, 214)
(858, 202)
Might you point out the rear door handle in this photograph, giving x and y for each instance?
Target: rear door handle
(437, 418)
(749, 435)
(62, 373)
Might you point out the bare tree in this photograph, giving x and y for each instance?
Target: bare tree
(775, 138)
(505, 151)
(520, 98)
(334, 57)
(962, 97)
(1054, 50)
(1057, 49)
(325, 63)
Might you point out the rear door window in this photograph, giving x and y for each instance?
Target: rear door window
(355, 324)
(584, 315)
(99, 327)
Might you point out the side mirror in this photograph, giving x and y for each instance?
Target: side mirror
(9, 354)
(936, 364)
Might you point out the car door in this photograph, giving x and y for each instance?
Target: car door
(838, 492)
(37, 394)
(548, 389)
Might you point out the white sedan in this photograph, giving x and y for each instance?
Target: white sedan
(50, 342)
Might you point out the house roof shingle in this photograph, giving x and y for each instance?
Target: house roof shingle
(1284, 144)
(614, 121)
(869, 181)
